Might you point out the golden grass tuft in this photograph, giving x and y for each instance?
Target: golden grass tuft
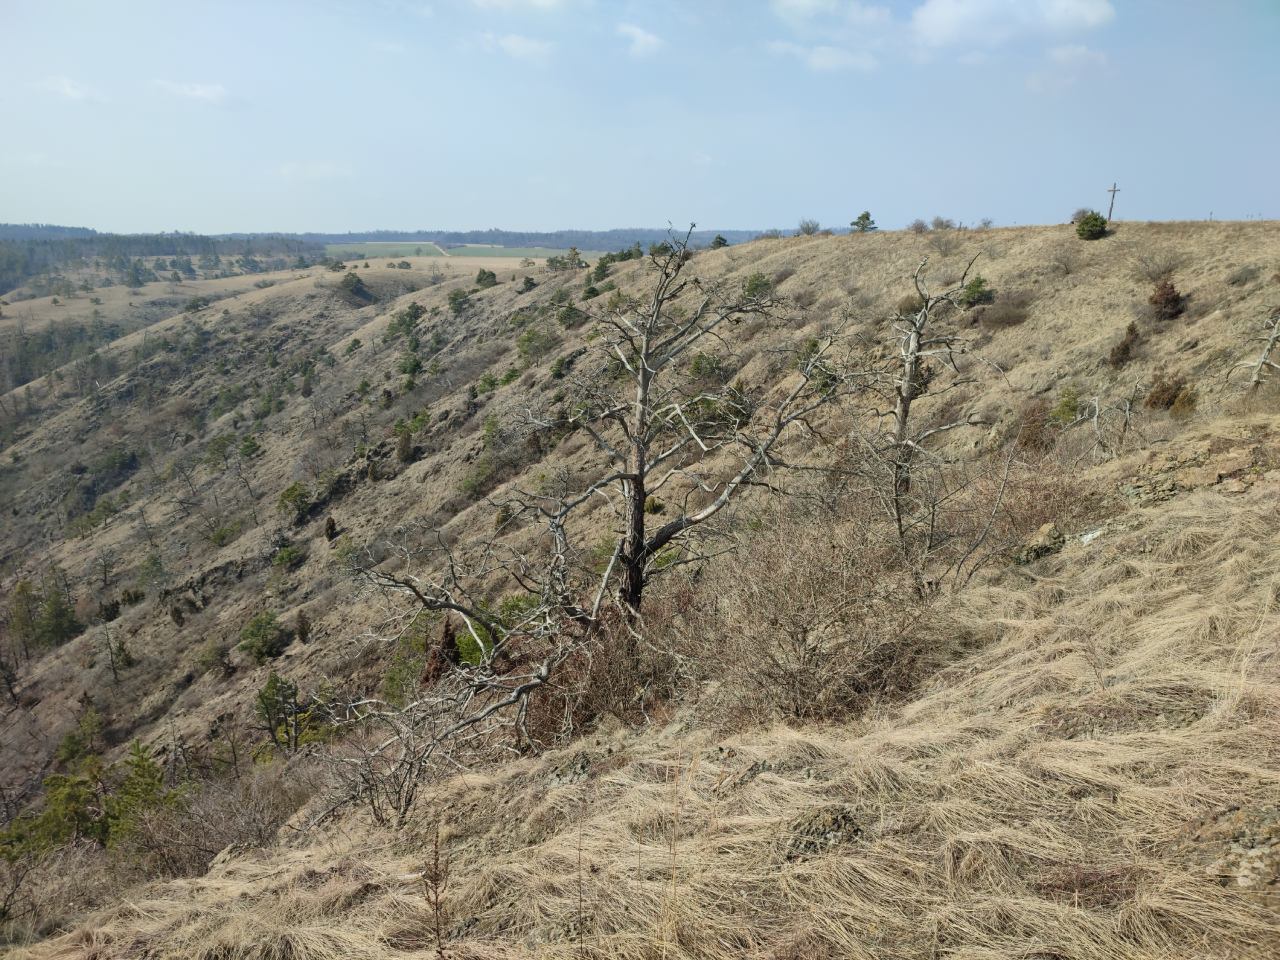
(1035, 802)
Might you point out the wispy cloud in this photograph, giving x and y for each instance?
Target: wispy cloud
(521, 48)
(393, 48)
(520, 4)
(1065, 65)
(825, 58)
(68, 88)
(939, 23)
(315, 172)
(208, 92)
(849, 10)
(1073, 53)
(643, 43)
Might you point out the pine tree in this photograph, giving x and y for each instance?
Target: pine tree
(57, 623)
(142, 789)
(864, 223)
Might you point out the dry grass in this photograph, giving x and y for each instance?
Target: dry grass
(1036, 802)
(526, 850)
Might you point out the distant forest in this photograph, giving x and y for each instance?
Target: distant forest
(23, 258)
(30, 250)
(559, 239)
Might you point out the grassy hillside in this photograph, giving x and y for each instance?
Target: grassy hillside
(1071, 755)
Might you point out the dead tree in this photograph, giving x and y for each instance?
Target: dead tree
(665, 432)
(927, 350)
(681, 445)
(1264, 364)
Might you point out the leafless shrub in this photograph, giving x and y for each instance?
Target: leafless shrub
(1009, 310)
(181, 840)
(1242, 276)
(1080, 214)
(945, 241)
(806, 623)
(783, 274)
(804, 299)
(1165, 389)
(917, 226)
(1155, 265)
(942, 223)
(1065, 260)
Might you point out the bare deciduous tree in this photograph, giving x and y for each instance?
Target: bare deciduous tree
(661, 428)
(1261, 367)
(668, 426)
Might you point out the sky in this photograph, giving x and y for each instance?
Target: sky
(593, 114)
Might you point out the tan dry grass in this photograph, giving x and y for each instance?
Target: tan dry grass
(1031, 804)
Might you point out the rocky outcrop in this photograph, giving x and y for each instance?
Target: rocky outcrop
(1045, 541)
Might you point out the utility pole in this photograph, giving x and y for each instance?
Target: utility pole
(1113, 191)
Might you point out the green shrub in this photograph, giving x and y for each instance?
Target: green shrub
(409, 364)
(213, 659)
(571, 316)
(250, 448)
(353, 285)
(402, 322)
(288, 557)
(1068, 407)
(511, 376)
(263, 638)
(758, 285)
(225, 534)
(1092, 226)
(527, 284)
(486, 279)
(404, 447)
(975, 292)
(535, 343)
(704, 365)
(719, 242)
(458, 300)
(295, 500)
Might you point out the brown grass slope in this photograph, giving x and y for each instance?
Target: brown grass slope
(1098, 782)
(1127, 689)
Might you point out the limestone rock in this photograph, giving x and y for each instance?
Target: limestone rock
(1048, 539)
(820, 829)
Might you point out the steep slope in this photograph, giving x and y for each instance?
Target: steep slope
(193, 523)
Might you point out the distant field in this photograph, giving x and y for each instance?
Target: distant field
(383, 248)
(536, 253)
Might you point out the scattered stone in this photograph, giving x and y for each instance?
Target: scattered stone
(820, 829)
(1237, 848)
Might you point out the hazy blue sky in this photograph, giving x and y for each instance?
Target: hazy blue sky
(546, 114)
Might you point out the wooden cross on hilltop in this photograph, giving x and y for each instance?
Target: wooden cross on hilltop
(1113, 191)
